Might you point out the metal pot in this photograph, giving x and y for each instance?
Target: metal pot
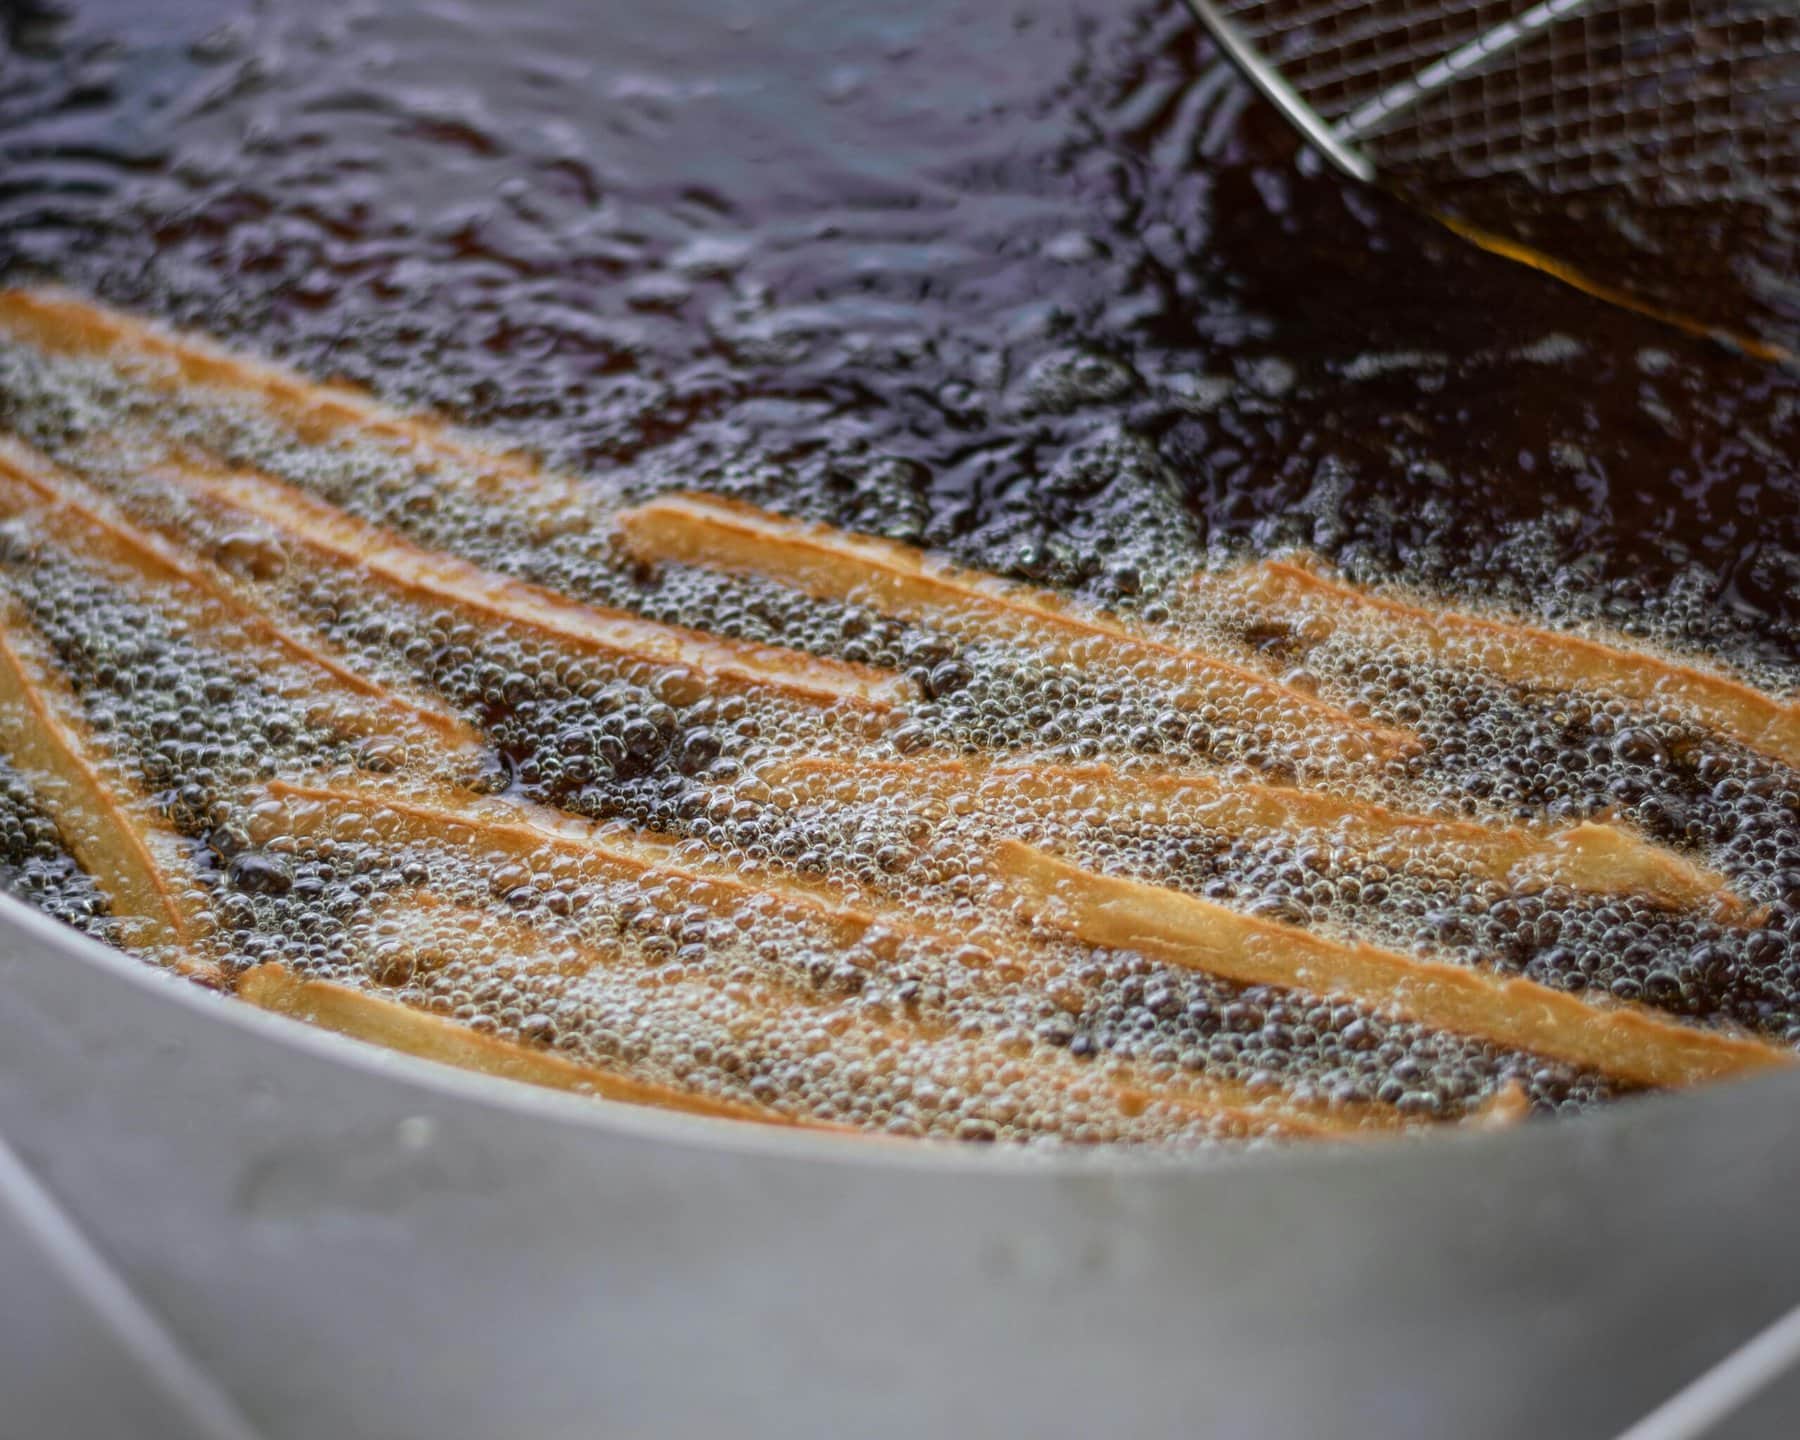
(220, 1223)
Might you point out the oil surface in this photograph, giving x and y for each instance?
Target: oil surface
(1041, 288)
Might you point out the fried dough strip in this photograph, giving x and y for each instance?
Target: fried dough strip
(1523, 654)
(1628, 1042)
(60, 323)
(1227, 1106)
(527, 831)
(708, 661)
(1593, 857)
(898, 580)
(83, 522)
(132, 856)
(393, 1025)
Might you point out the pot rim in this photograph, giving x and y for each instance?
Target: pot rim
(797, 1143)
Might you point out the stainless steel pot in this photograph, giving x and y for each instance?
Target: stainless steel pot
(219, 1223)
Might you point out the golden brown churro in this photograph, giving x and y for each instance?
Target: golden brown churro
(908, 583)
(393, 1025)
(707, 660)
(396, 1026)
(91, 529)
(525, 831)
(1594, 857)
(1628, 1042)
(136, 860)
(57, 322)
(518, 830)
(1300, 596)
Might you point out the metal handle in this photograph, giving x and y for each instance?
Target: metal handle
(1311, 125)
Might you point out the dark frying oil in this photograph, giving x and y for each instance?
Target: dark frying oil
(987, 274)
(1037, 284)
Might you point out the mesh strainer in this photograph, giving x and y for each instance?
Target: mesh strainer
(1648, 150)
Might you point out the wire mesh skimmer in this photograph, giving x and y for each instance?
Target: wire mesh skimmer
(1645, 150)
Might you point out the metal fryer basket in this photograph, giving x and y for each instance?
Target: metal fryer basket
(1652, 145)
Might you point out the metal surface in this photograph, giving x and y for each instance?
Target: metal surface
(80, 1354)
(1724, 1394)
(1313, 127)
(358, 1244)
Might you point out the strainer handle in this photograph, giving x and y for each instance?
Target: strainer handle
(1266, 78)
